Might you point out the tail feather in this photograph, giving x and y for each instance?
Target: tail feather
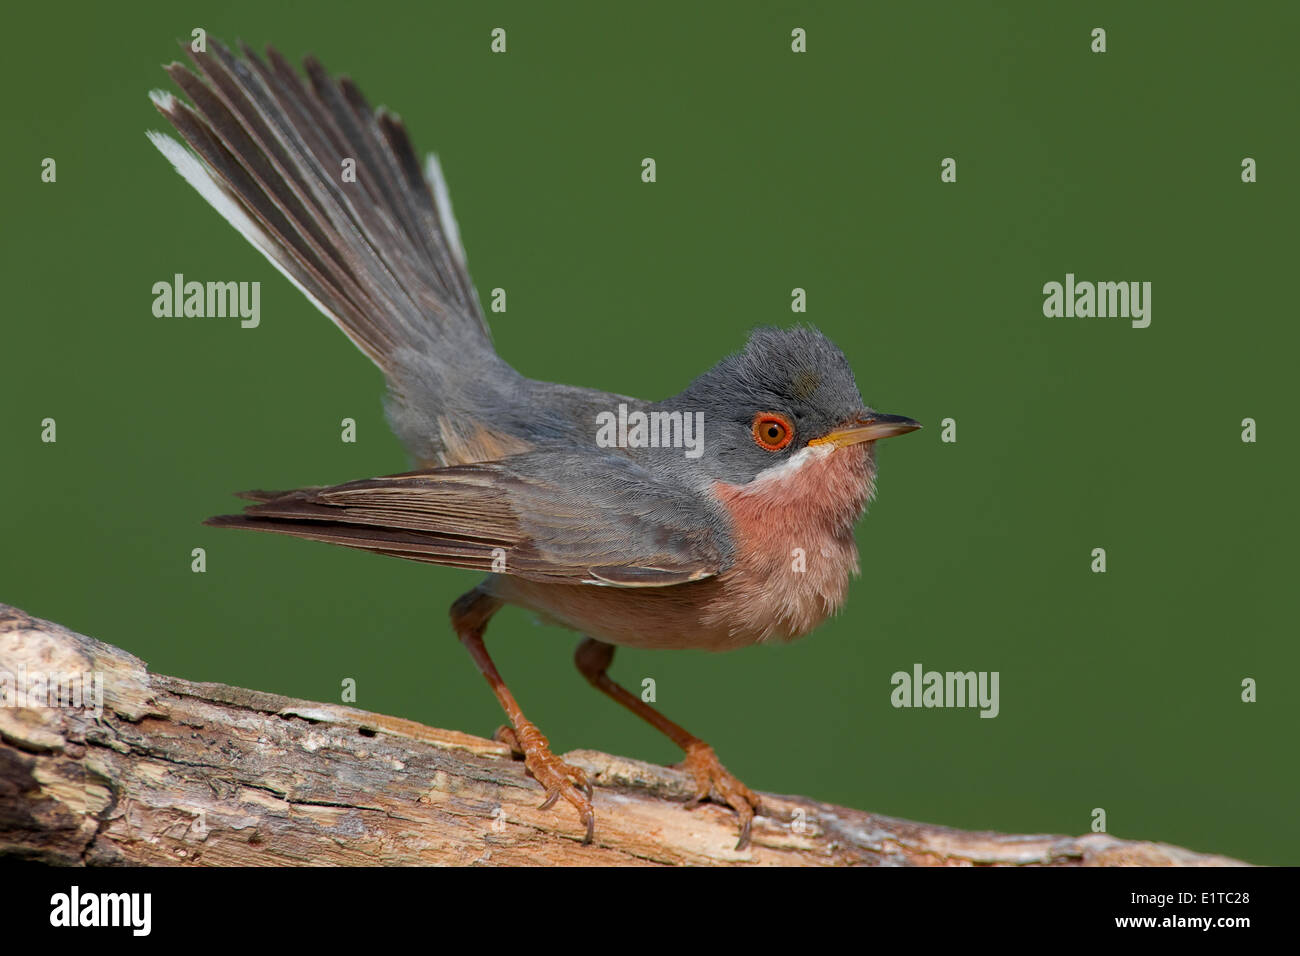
(397, 543)
(257, 494)
(380, 256)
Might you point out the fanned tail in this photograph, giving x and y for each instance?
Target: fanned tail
(380, 255)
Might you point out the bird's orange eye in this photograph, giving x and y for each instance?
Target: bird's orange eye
(772, 432)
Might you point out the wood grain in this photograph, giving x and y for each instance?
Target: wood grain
(174, 772)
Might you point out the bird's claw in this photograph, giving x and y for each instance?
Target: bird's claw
(714, 781)
(557, 778)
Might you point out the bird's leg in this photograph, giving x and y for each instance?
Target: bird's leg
(712, 779)
(469, 616)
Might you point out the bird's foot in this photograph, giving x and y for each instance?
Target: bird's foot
(557, 778)
(716, 782)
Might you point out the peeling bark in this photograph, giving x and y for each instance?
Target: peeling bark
(176, 772)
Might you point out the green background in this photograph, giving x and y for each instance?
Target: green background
(775, 170)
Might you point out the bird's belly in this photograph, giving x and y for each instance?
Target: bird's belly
(666, 617)
(740, 607)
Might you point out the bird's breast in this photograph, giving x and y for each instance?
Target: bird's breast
(794, 552)
(794, 545)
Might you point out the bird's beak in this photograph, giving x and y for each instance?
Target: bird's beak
(868, 428)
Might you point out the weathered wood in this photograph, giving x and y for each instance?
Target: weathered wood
(174, 772)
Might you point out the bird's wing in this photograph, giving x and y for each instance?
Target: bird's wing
(556, 516)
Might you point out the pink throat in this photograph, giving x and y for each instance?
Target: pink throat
(794, 543)
(826, 495)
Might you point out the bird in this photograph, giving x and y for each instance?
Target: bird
(718, 518)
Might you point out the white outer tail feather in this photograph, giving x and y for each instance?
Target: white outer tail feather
(197, 174)
(442, 196)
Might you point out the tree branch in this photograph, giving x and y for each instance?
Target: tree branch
(178, 772)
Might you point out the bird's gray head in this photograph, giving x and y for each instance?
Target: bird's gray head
(765, 405)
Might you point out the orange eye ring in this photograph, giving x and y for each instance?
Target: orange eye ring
(772, 431)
